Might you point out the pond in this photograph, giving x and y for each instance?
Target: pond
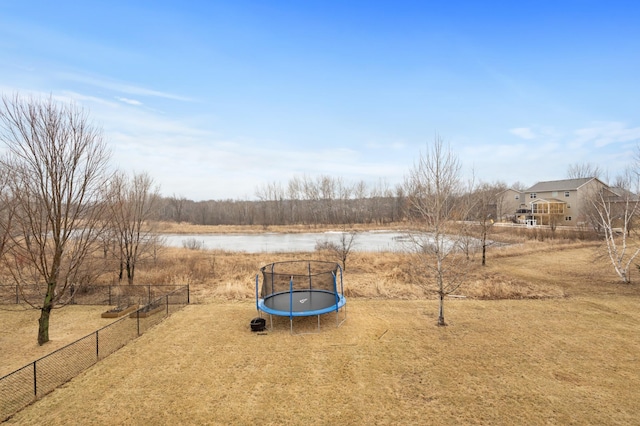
(370, 241)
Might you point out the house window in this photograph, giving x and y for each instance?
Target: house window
(547, 208)
(556, 208)
(567, 218)
(554, 194)
(533, 195)
(517, 196)
(568, 206)
(566, 193)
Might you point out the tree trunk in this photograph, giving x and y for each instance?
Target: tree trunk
(626, 276)
(484, 249)
(130, 273)
(45, 312)
(441, 322)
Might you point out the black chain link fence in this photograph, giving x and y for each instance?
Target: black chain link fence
(119, 295)
(24, 386)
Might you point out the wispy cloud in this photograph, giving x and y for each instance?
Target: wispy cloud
(121, 87)
(523, 132)
(395, 145)
(85, 100)
(129, 101)
(605, 133)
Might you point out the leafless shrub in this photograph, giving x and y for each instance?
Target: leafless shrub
(193, 244)
(340, 249)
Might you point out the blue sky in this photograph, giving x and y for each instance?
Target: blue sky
(217, 98)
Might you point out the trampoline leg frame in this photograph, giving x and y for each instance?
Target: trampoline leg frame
(301, 334)
(339, 321)
(270, 328)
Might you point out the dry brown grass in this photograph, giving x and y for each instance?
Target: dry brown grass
(561, 361)
(566, 353)
(512, 272)
(19, 329)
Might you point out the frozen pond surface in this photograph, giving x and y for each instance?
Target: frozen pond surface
(372, 241)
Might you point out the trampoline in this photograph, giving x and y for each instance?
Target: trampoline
(301, 288)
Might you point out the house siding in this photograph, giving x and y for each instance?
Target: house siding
(507, 204)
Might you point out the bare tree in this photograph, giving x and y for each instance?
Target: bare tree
(519, 186)
(485, 212)
(467, 202)
(57, 162)
(7, 210)
(132, 203)
(433, 189)
(583, 170)
(178, 203)
(342, 248)
(294, 194)
(615, 209)
(272, 197)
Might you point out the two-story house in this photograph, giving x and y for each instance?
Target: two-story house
(559, 202)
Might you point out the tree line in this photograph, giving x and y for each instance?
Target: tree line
(323, 200)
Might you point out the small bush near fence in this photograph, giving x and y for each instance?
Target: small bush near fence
(26, 385)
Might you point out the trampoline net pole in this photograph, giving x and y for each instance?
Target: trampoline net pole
(291, 305)
(335, 290)
(291, 298)
(257, 280)
(272, 277)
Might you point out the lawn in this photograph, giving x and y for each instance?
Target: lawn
(527, 362)
(569, 355)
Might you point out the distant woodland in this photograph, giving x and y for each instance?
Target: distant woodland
(322, 200)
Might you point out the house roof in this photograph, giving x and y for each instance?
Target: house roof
(548, 200)
(559, 185)
(623, 194)
(510, 189)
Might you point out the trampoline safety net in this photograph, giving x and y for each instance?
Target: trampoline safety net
(303, 275)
